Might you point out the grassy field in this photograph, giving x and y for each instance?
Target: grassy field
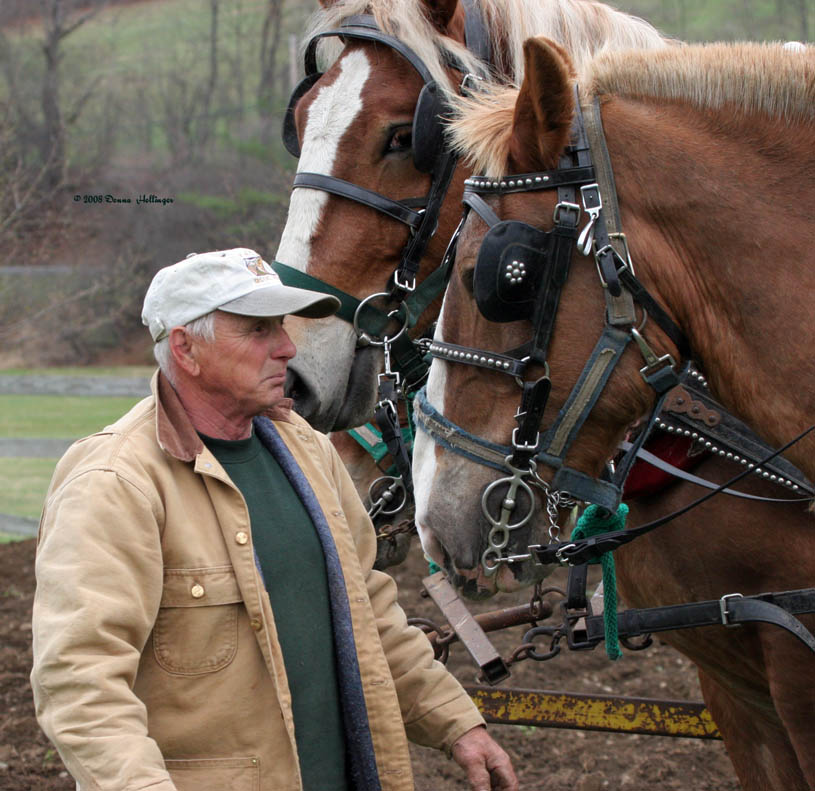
(63, 417)
(111, 370)
(24, 481)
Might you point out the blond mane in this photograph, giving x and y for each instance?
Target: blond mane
(583, 27)
(763, 79)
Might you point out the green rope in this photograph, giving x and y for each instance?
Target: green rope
(593, 521)
(432, 567)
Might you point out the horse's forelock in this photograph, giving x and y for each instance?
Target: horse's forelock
(404, 20)
(482, 127)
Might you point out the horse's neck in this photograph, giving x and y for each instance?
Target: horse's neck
(718, 221)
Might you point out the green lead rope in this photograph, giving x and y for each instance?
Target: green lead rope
(595, 520)
(431, 566)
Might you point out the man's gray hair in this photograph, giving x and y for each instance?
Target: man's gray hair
(203, 328)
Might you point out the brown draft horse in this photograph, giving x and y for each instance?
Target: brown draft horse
(354, 123)
(713, 153)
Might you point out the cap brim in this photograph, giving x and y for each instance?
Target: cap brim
(279, 300)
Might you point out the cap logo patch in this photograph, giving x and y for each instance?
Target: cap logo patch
(255, 266)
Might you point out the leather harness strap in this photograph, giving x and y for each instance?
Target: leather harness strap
(731, 610)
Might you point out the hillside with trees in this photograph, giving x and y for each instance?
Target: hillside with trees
(132, 133)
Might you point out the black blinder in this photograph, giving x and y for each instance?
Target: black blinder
(428, 130)
(290, 139)
(510, 267)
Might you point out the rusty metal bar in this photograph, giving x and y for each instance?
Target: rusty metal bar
(549, 709)
(522, 615)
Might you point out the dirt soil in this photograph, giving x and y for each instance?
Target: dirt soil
(545, 759)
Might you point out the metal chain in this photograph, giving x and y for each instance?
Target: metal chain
(554, 501)
(405, 527)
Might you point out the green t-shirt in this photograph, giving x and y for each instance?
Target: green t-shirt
(293, 566)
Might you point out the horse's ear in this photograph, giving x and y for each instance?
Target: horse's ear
(440, 13)
(544, 108)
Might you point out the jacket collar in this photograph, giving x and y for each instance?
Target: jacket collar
(175, 432)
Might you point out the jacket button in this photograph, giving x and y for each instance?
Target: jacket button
(241, 537)
(197, 591)
(256, 624)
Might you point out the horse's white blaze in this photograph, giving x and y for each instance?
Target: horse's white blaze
(424, 456)
(329, 116)
(325, 347)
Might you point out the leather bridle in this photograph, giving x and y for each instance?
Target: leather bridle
(530, 258)
(431, 155)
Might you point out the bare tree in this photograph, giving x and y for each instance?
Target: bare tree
(189, 117)
(270, 36)
(58, 25)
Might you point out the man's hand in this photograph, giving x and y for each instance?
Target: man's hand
(487, 765)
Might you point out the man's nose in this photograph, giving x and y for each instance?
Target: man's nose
(283, 347)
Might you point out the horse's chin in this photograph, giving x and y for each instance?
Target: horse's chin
(326, 411)
(475, 584)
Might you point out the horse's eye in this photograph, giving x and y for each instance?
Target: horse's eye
(401, 140)
(467, 280)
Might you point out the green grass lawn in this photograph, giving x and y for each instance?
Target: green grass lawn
(130, 371)
(24, 481)
(68, 417)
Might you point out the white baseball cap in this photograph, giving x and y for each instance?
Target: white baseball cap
(236, 281)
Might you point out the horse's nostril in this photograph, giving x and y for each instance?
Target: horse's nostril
(293, 384)
(305, 400)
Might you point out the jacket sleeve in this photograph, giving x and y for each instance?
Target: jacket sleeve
(435, 708)
(99, 580)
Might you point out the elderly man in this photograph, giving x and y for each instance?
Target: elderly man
(207, 617)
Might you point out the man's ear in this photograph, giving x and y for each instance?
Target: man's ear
(182, 349)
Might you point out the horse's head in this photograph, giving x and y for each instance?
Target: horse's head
(373, 120)
(362, 123)
(504, 263)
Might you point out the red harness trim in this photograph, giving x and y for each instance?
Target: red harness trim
(645, 480)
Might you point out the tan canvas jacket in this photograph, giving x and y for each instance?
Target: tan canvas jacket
(156, 663)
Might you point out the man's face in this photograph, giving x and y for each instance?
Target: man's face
(243, 372)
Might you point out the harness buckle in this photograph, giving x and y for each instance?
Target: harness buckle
(531, 447)
(593, 205)
(614, 269)
(725, 613)
(408, 285)
(565, 206)
(627, 262)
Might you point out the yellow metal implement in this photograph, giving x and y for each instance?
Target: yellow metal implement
(594, 712)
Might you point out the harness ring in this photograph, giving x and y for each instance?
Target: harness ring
(368, 339)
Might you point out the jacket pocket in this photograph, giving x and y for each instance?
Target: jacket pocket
(217, 774)
(196, 630)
